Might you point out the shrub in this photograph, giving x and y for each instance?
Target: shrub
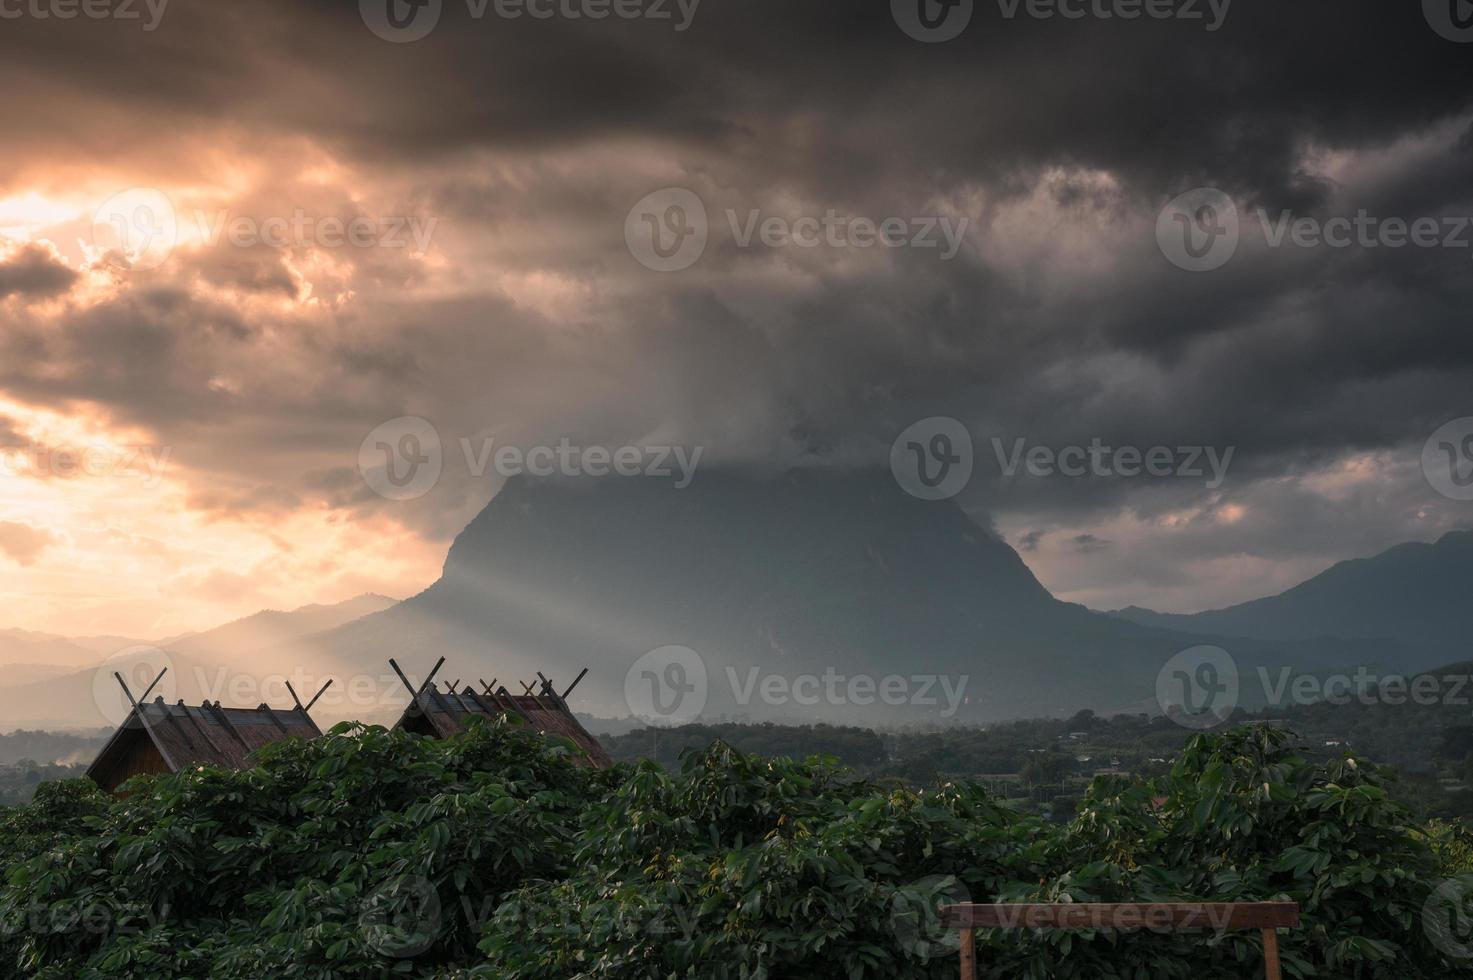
(370, 853)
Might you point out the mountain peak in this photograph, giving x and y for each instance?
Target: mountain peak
(796, 573)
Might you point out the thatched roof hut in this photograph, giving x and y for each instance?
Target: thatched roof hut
(440, 714)
(160, 738)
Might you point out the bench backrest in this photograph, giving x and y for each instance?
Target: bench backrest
(1263, 916)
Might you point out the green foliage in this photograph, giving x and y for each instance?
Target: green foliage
(1452, 846)
(19, 782)
(307, 865)
(370, 853)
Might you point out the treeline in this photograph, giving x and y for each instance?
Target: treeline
(64, 748)
(18, 783)
(1429, 754)
(858, 748)
(918, 756)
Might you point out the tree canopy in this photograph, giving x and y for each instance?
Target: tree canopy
(371, 853)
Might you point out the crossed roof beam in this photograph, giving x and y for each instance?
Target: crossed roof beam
(427, 697)
(140, 703)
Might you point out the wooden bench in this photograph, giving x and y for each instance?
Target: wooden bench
(1264, 916)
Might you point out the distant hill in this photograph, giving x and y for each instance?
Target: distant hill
(27, 657)
(204, 664)
(41, 650)
(51, 747)
(793, 575)
(1415, 593)
(271, 627)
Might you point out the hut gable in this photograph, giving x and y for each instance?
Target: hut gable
(157, 737)
(440, 714)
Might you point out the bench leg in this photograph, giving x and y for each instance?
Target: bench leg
(969, 956)
(1271, 954)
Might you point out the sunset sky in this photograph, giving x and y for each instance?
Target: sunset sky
(181, 421)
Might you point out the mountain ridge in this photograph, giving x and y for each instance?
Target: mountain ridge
(1414, 592)
(790, 575)
(259, 644)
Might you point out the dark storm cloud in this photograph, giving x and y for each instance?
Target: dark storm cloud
(1058, 321)
(812, 91)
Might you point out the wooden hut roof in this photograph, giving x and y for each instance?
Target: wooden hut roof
(444, 713)
(188, 735)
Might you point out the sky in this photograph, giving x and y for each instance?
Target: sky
(238, 241)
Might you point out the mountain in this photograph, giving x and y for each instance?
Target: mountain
(12, 675)
(27, 657)
(41, 650)
(769, 580)
(1415, 593)
(254, 650)
(270, 628)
